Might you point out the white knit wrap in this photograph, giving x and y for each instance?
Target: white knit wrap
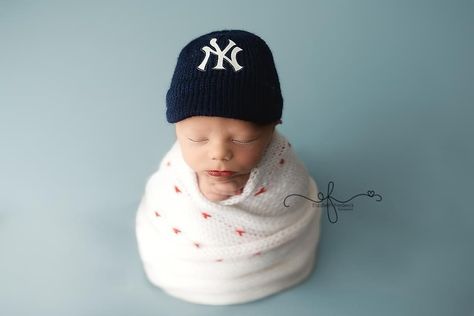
(238, 250)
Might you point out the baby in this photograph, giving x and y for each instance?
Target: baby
(212, 227)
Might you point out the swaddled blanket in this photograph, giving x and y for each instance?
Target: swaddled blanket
(233, 251)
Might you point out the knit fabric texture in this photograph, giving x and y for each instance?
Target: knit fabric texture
(233, 251)
(228, 73)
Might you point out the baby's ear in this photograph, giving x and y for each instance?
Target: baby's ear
(273, 126)
(277, 123)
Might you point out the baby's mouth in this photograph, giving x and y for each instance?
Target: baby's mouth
(220, 173)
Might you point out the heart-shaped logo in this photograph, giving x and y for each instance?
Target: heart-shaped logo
(371, 193)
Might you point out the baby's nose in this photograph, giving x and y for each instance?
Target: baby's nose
(220, 152)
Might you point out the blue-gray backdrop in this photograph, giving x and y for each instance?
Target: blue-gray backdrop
(378, 96)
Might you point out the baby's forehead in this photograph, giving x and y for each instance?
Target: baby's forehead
(202, 123)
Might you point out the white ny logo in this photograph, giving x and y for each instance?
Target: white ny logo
(221, 54)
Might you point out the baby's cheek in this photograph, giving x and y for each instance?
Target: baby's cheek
(192, 159)
(249, 159)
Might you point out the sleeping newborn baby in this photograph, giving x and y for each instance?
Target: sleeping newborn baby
(211, 226)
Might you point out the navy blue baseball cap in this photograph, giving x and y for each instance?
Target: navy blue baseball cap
(228, 73)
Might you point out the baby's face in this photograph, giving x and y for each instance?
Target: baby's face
(211, 143)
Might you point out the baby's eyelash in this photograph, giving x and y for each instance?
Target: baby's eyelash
(243, 141)
(233, 140)
(197, 141)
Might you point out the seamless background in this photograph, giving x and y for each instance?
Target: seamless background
(378, 96)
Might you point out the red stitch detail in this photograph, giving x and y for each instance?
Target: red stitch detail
(198, 245)
(282, 161)
(262, 189)
(205, 215)
(240, 231)
(176, 231)
(157, 214)
(177, 189)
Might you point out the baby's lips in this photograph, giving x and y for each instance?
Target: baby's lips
(217, 173)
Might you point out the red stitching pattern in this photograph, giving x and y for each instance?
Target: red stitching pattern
(240, 231)
(262, 190)
(205, 215)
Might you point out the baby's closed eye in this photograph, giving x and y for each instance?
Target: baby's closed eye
(198, 140)
(244, 141)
